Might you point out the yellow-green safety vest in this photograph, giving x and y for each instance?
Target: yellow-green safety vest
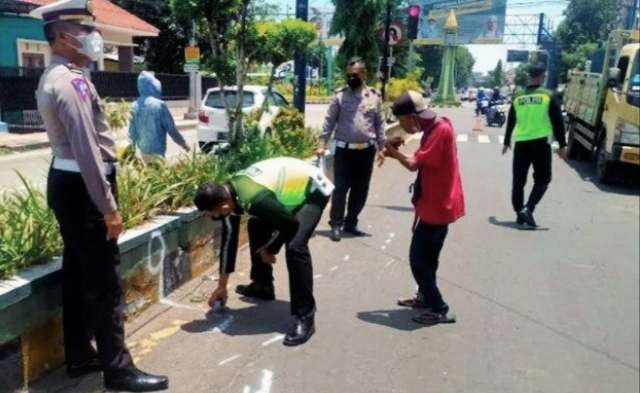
(289, 179)
(532, 115)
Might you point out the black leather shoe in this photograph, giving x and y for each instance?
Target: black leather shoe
(336, 234)
(304, 329)
(520, 218)
(134, 380)
(355, 231)
(256, 291)
(78, 370)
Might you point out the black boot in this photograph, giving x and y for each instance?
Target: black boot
(304, 329)
(134, 380)
(336, 234)
(257, 291)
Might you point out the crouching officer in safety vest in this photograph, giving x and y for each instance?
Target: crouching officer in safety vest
(536, 116)
(284, 198)
(82, 193)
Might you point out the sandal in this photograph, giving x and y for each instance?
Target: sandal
(412, 303)
(431, 318)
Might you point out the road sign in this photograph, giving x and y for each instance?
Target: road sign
(191, 67)
(517, 56)
(396, 34)
(192, 55)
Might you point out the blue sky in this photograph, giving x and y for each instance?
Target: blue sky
(486, 55)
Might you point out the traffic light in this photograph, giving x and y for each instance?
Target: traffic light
(412, 26)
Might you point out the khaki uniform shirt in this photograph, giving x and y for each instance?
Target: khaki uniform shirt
(76, 126)
(355, 117)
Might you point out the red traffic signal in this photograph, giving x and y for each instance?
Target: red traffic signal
(414, 11)
(412, 26)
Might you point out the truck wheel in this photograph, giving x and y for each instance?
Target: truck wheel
(604, 166)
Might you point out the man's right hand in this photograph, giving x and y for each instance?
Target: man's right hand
(320, 151)
(220, 293)
(505, 149)
(114, 224)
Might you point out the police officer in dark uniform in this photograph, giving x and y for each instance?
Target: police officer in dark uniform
(82, 193)
(357, 117)
(535, 118)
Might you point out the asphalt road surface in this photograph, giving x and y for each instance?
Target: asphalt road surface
(552, 310)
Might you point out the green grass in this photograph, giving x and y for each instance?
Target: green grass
(4, 151)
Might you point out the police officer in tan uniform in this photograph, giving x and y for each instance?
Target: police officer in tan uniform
(357, 117)
(82, 192)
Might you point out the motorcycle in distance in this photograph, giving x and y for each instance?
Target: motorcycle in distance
(496, 113)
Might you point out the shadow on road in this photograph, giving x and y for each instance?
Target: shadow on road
(345, 235)
(627, 181)
(396, 208)
(399, 318)
(260, 318)
(513, 225)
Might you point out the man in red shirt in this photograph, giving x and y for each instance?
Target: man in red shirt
(437, 197)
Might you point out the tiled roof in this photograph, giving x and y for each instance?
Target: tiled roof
(110, 14)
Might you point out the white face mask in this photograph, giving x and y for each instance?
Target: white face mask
(92, 45)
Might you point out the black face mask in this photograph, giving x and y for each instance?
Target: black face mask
(354, 82)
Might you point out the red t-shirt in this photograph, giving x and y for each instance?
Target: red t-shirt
(442, 200)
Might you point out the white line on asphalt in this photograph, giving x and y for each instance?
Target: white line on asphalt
(317, 276)
(391, 262)
(273, 339)
(462, 138)
(388, 241)
(501, 139)
(247, 389)
(224, 325)
(346, 258)
(267, 380)
(392, 235)
(484, 139)
(333, 269)
(383, 248)
(230, 359)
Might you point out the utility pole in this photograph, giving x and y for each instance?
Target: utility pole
(300, 64)
(384, 67)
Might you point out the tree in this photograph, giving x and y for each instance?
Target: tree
(233, 40)
(586, 28)
(522, 76)
(159, 52)
(496, 77)
(432, 62)
(359, 23)
(280, 41)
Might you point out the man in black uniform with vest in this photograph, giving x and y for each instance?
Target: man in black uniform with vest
(536, 118)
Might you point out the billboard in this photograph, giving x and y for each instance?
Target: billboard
(479, 21)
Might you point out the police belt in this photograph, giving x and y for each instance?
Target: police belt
(354, 145)
(67, 165)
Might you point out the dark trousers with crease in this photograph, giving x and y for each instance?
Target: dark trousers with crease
(352, 175)
(536, 153)
(91, 290)
(298, 256)
(424, 256)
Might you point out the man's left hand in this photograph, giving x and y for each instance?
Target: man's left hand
(266, 256)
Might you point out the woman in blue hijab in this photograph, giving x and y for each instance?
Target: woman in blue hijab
(151, 121)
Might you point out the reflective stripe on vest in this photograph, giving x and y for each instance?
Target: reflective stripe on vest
(532, 115)
(287, 178)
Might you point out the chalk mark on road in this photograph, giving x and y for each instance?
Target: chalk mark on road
(229, 359)
(276, 338)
